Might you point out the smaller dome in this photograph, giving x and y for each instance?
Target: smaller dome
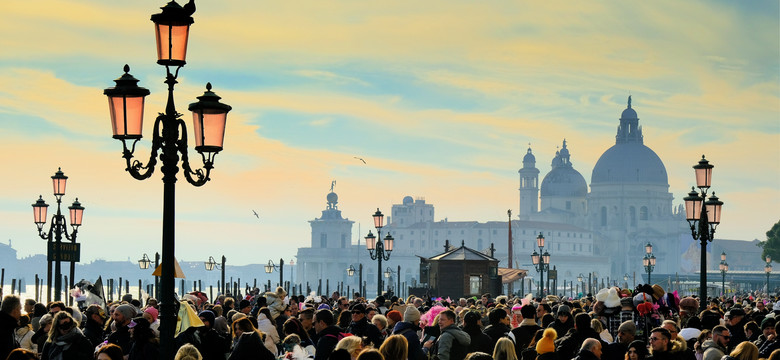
(629, 113)
(564, 181)
(529, 157)
(333, 198)
(408, 200)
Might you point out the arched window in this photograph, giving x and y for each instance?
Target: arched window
(643, 213)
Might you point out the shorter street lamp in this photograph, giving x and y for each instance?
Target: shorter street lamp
(649, 261)
(211, 264)
(388, 273)
(724, 267)
(270, 267)
(768, 270)
(351, 273)
(541, 262)
(580, 278)
(144, 262)
(625, 279)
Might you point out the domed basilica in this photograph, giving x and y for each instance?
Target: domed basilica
(601, 232)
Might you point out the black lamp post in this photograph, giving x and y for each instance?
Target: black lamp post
(724, 267)
(541, 262)
(580, 278)
(380, 249)
(768, 271)
(126, 104)
(211, 264)
(388, 275)
(704, 217)
(351, 273)
(269, 268)
(649, 261)
(57, 229)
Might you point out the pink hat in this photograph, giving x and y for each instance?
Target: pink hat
(152, 311)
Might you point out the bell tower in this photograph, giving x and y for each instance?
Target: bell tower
(529, 186)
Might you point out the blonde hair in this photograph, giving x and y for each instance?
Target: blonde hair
(504, 350)
(188, 352)
(395, 347)
(596, 325)
(353, 345)
(745, 351)
(381, 319)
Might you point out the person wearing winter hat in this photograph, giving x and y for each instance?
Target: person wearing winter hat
(275, 302)
(151, 314)
(393, 317)
(408, 328)
(658, 292)
(214, 345)
(564, 321)
(767, 342)
(122, 316)
(637, 350)
(545, 347)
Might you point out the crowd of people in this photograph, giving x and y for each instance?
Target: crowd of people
(639, 324)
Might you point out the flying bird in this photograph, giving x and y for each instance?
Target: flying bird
(256, 215)
(361, 159)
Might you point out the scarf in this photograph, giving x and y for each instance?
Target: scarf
(62, 343)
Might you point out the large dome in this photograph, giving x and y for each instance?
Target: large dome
(629, 163)
(564, 181)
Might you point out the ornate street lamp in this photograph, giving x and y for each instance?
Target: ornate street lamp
(580, 278)
(541, 262)
(211, 264)
(270, 267)
(649, 261)
(703, 217)
(57, 229)
(126, 105)
(379, 250)
(144, 262)
(351, 272)
(724, 267)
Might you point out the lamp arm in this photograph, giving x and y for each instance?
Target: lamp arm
(200, 176)
(134, 167)
(386, 255)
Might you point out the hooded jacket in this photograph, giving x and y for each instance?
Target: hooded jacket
(712, 351)
(271, 335)
(450, 338)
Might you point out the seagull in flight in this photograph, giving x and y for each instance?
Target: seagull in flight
(256, 215)
(361, 159)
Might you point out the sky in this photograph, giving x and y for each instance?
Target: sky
(440, 98)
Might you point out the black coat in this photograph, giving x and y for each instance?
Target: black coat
(94, 332)
(80, 348)
(523, 335)
(479, 340)
(250, 346)
(363, 328)
(328, 338)
(567, 346)
(150, 350)
(7, 334)
(121, 337)
(409, 331)
(496, 332)
(214, 345)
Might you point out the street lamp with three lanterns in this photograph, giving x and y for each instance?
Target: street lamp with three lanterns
(126, 105)
(57, 229)
(541, 261)
(381, 249)
(649, 261)
(703, 217)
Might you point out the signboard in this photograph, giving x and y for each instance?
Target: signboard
(68, 251)
(552, 274)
